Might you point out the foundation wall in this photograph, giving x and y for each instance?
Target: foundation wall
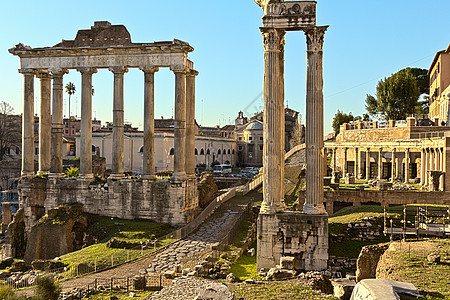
(302, 236)
(160, 201)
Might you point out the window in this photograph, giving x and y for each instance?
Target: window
(172, 151)
(229, 151)
(250, 148)
(250, 138)
(218, 152)
(67, 131)
(240, 138)
(261, 147)
(261, 138)
(195, 151)
(202, 152)
(224, 152)
(208, 152)
(17, 150)
(36, 151)
(233, 151)
(240, 148)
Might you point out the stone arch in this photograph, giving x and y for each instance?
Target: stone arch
(202, 152)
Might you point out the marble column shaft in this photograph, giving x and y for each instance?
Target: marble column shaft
(56, 164)
(407, 162)
(273, 194)
(422, 166)
(117, 169)
(314, 122)
(86, 123)
(380, 164)
(190, 123)
(344, 164)
(180, 126)
(44, 122)
(149, 123)
(28, 124)
(356, 163)
(427, 165)
(334, 159)
(393, 165)
(368, 163)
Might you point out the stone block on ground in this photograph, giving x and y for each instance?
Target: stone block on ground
(185, 272)
(169, 274)
(231, 278)
(277, 274)
(139, 283)
(343, 288)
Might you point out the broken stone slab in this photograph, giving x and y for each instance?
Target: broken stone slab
(277, 274)
(192, 274)
(185, 272)
(169, 274)
(343, 288)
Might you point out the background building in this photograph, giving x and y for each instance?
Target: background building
(439, 73)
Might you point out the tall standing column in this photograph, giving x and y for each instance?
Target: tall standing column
(117, 170)
(86, 123)
(334, 159)
(380, 163)
(190, 123)
(28, 123)
(314, 122)
(344, 163)
(179, 173)
(393, 166)
(273, 105)
(356, 163)
(441, 168)
(407, 159)
(148, 162)
(56, 164)
(44, 122)
(436, 160)
(422, 166)
(368, 164)
(427, 165)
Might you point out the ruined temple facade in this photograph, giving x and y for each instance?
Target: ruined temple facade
(301, 235)
(107, 46)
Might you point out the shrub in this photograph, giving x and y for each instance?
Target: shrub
(7, 294)
(47, 288)
(72, 172)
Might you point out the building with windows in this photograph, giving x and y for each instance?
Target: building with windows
(439, 73)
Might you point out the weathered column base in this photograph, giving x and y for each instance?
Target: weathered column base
(116, 176)
(86, 177)
(294, 234)
(149, 177)
(27, 175)
(56, 175)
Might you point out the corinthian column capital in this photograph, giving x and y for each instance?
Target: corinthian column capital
(314, 38)
(273, 39)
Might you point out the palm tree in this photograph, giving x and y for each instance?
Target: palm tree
(70, 89)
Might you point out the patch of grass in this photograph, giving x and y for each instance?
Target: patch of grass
(245, 266)
(240, 234)
(275, 290)
(105, 295)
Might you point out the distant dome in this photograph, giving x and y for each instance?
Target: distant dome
(254, 126)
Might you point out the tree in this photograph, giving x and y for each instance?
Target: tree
(47, 288)
(398, 95)
(9, 128)
(341, 118)
(70, 89)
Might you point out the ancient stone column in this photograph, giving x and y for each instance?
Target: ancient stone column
(368, 164)
(273, 160)
(407, 158)
(190, 123)
(56, 164)
(344, 164)
(28, 123)
(436, 160)
(314, 122)
(148, 162)
(380, 163)
(86, 123)
(356, 163)
(44, 122)
(422, 166)
(118, 120)
(394, 166)
(442, 168)
(427, 165)
(334, 159)
(180, 125)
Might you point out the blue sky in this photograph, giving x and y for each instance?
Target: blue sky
(366, 41)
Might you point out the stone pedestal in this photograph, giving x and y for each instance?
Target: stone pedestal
(434, 180)
(302, 236)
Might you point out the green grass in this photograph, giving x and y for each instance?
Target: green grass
(120, 295)
(276, 290)
(410, 264)
(245, 266)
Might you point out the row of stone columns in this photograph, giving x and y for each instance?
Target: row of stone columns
(432, 159)
(51, 125)
(358, 159)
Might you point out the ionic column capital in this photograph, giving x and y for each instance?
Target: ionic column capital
(27, 71)
(314, 38)
(179, 69)
(58, 72)
(118, 70)
(87, 70)
(44, 75)
(192, 73)
(149, 69)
